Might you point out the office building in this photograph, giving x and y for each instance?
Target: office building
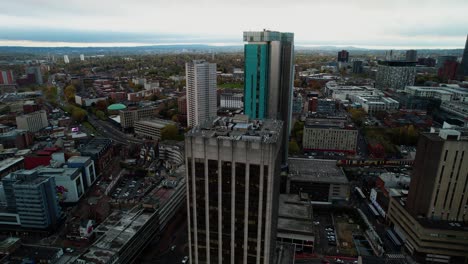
(33, 122)
(442, 59)
(318, 180)
(432, 219)
(36, 71)
(343, 56)
(298, 104)
(200, 79)
(182, 105)
(66, 60)
(70, 180)
(294, 223)
(443, 93)
(7, 77)
(269, 76)
(129, 117)
(232, 190)
(429, 62)
(411, 56)
(463, 70)
(123, 235)
(33, 198)
(100, 150)
(329, 134)
(171, 152)
(375, 103)
(357, 67)
(151, 129)
(86, 166)
(81, 57)
(448, 71)
(232, 100)
(395, 74)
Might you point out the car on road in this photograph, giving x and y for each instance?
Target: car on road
(185, 260)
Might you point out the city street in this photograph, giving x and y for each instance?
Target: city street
(175, 234)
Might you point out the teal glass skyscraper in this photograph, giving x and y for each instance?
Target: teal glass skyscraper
(269, 76)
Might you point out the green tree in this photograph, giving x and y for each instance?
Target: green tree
(293, 147)
(101, 115)
(171, 132)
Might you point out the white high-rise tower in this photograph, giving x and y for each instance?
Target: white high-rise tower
(201, 91)
(66, 59)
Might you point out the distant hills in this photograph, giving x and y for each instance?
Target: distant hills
(190, 48)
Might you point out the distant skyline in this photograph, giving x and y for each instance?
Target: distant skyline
(397, 24)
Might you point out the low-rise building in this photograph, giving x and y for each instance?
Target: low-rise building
(373, 104)
(458, 111)
(232, 100)
(444, 93)
(151, 129)
(69, 182)
(295, 223)
(33, 122)
(329, 134)
(172, 152)
(129, 117)
(86, 165)
(100, 150)
(124, 234)
(321, 180)
(10, 165)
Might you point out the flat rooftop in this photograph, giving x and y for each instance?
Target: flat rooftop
(96, 145)
(71, 173)
(78, 159)
(287, 225)
(6, 163)
(325, 123)
(291, 207)
(239, 128)
(117, 230)
(316, 170)
(157, 123)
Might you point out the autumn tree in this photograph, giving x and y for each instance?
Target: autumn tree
(69, 93)
(293, 147)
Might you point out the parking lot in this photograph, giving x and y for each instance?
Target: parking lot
(334, 234)
(130, 188)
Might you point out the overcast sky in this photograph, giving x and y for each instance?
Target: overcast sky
(363, 23)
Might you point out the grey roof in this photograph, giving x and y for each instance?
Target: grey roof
(239, 128)
(316, 170)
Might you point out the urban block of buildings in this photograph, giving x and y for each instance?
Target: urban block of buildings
(431, 219)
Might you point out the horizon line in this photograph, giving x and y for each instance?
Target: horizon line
(55, 44)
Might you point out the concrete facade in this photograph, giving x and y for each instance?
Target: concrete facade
(33, 122)
(201, 91)
(232, 190)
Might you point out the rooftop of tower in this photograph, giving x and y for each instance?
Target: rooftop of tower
(239, 128)
(267, 35)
